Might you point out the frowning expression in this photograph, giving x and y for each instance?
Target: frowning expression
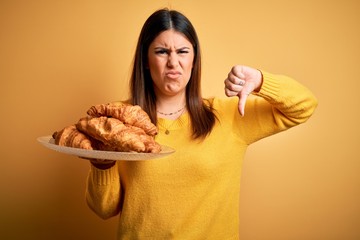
(170, 60)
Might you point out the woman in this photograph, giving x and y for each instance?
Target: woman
(193, 193)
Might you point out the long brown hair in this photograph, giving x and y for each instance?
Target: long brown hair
(142, 92)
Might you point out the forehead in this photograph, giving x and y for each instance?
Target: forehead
(171, 38)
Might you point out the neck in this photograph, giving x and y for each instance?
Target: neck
(170, 104)
(170, 107)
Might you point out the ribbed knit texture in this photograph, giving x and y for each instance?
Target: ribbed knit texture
(194, 193)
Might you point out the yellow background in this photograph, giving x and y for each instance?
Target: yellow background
(58, 58)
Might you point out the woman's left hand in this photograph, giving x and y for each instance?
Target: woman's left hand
(242, 81)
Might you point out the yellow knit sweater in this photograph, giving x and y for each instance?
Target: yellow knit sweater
(194, 193)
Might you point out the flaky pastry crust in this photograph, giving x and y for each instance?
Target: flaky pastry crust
(71, 137)
(126, 113)
(117, 136)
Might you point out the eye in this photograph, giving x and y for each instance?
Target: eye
(183, 51)
(161, 51)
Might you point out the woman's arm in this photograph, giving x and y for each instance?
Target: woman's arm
(291, 102)
(103, 191)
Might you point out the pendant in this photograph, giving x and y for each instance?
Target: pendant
(167, 132)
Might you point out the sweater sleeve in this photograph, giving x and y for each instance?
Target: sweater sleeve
(103, 191)
(280, 104)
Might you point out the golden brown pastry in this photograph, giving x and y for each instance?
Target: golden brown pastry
(117, 136)
(128, 114)
(71, 137)
(151, 145)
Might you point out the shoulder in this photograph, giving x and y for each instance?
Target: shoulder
(220, 101)
(224, 107)
(221, 104)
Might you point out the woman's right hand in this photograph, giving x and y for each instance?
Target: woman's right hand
(101, 163)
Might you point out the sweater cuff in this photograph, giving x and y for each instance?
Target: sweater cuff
(270, 86)
(104, 177)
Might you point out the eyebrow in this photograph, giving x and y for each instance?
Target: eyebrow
(181, 48)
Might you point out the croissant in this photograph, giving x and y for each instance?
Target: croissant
(117, 136)
(128, 114)
(71, 137)
(150, 144)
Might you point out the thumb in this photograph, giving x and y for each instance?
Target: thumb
(243, 95)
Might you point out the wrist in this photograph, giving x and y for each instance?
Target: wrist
(260, 81)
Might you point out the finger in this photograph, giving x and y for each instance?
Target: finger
(101, 161)
(243, 95)
(107, 161)
(230, 93)
(86, 158)
(236, 87)
(235, 79)
(238, 71)
(103, 164)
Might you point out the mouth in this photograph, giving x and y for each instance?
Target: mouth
(173, 74)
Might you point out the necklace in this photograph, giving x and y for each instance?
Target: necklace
(172, 113)
(167, 131)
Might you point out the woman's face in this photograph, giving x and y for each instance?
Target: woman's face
(170, 60)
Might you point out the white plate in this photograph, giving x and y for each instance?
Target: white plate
(49, 142)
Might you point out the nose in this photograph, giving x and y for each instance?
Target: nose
(173, 60)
